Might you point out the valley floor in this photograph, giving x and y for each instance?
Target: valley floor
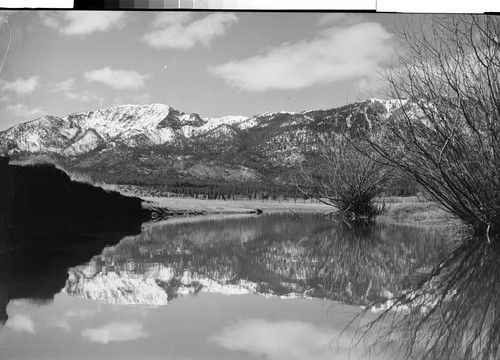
(408, 211)
(189, 206)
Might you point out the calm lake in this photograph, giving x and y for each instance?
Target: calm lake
(272, 286)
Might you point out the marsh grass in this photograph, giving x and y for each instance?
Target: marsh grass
(424, 215)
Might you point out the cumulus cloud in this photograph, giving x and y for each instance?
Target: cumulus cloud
(22, 86)
(21, 110)
(118, 331)
(116, 78)
(280, 340)
(296, 340)
(181, 31)
(82, 23)
(66, 88)
(63, 85)
(337, 53)
(21, 323)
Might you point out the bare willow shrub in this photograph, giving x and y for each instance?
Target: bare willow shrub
(339, 175)
(446, 134)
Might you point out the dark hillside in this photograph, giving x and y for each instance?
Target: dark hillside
(44, 195)
(34, 262)
(49, 223)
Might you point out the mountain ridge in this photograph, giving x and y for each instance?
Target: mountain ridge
(156, 144)
(125, 123)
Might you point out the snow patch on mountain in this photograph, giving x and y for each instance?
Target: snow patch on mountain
(156, 124)
(89, 141)
(390, 104)
(130, 125)
(126, 121)
(249, 123)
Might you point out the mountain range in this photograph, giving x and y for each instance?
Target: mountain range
(156, 144)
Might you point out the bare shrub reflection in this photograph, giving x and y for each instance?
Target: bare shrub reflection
(360, 263)
(452, 313)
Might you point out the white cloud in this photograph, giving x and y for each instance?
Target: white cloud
(20, 323)
(66, 87)
(21, 110)
(63, 85)
(296, 340)
(180, 31)
(336, 54)
(82, 23)
(116, 78)
(21, 86)
(117, 331)
(281, 340)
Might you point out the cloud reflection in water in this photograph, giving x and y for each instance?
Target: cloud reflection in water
(116, 331)
(20, 323)
(287, 340)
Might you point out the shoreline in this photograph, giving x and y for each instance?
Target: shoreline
(189, 206)
(400, 211)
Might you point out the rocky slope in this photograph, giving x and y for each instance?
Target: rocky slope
(129, 143)
(129, 125)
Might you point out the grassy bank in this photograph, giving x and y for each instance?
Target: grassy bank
(212, 207)
(417, 214)
(407, 211)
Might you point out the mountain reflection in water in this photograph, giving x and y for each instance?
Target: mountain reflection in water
(34, 262)
(272, 255)
(324, 270)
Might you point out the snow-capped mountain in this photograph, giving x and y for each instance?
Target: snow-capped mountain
(155, 124)
(156, 143)
(129, 125)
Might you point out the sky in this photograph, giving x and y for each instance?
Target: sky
(210, 63)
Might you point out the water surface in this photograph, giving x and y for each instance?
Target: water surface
(272, 286)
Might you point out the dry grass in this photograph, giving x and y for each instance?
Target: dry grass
(418, 214)
(408, 211)
(400, 211)
(209, 207)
